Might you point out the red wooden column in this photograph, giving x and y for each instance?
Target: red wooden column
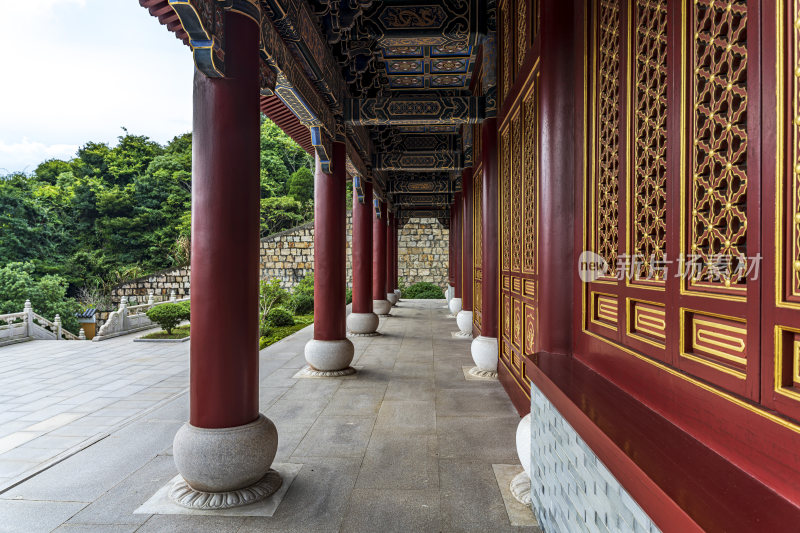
(464, 318)
(455, 237)
(330, 351)
(380, 305)
(396, 256)
(361, 320)
(391, 297)
(223, 384)
(451, 258)
(484, 347)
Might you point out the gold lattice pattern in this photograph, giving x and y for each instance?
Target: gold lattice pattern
(508, 63)
(522, 31)
(649, 191)
(529, 183)
(607, 186)
(719, 190)
(795, 117)
(505, 187)
(514, 204)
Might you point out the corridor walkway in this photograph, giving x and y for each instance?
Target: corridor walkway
(405, 445)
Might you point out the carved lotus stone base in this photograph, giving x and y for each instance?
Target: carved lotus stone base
(479, 373)
(462, 335)
(373, 334)
(309, 372)
(184, 495)
(521, 488)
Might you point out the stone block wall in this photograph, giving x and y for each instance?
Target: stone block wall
(289, 256)
(423, 248)
(571, 489)
(161, 283)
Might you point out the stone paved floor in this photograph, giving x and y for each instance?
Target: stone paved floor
(406, 445)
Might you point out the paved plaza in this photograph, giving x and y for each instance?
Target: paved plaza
(407, 444)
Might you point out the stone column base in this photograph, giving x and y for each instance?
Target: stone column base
(521, 488)
(381, 307)
(464, 321)
(449, 293)
(362, 323)
(483, 374)
(329, 356)
(225, 467)
(398, 293)
(391, 298)
(484, 353)
(454, 306)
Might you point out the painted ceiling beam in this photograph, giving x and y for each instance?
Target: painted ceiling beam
(418, 161)
(422, 110)
(416, 185)
(433, 23)
(428, 200)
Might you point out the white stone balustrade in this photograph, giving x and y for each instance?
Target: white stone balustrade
(27, 326)
(130, 319)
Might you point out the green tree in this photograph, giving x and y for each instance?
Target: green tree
(280, 213)
(48, 295)
(301, 185)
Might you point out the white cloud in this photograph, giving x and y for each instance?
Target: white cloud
(19, 155)
(83, 71)
(37, 8)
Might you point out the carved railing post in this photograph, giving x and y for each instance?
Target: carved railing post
(123, 312)
(172, 296)
(57, 324)
(150, 297)
(28, 310)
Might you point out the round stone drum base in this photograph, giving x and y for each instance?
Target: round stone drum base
(329, 355)
(381, 307)
(362, 323)
(464, 321)
(391, 298)
(225, 460)
(484, 353)
(454, 306)
(184, 495)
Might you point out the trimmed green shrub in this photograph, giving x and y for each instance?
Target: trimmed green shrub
(423, 291)
(168, 315)
(348, 296)
(302, 304)
(187, 307)
(279, 317)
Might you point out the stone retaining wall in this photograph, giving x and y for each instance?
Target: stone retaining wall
(289, 256)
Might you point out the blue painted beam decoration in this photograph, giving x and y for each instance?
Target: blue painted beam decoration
(422, 110)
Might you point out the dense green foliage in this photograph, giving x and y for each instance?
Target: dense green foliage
(276, 334)
(112, 214)
(168, 315)
(279, 317)
(47, 294)
(302, 300)
(423, 291)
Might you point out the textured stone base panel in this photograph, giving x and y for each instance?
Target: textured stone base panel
(309, 372)
(451, 315)
(161, 503)
(473, 373)
(518, 514)
(565, 472)
(461, 335)
(373, 334)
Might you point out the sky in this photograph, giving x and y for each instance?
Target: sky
(74, 71)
